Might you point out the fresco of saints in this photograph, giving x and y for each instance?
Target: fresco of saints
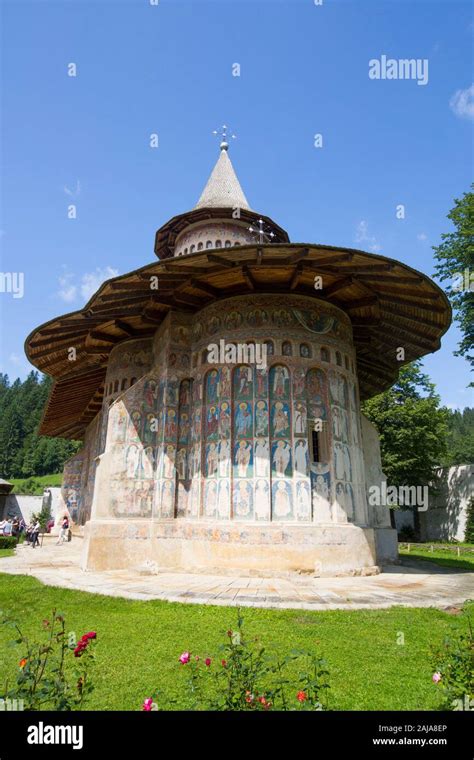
(212, 422)
(243, 420)
(224, 387)
(210, 498)
(242, 499)
(135, 426)
(183, 427)
(150, 393)
(184, 393)
(181, 458)
(212, 459)
(321, 486)
(281, 458)
(262, 505)
(197, 424)
(171, 427)
(224, 419)
(150, 428)
(281, 499)
(243, 382)
(148, 462)
(341, 499)
(168, 469)
(279, 381)
(120, 423)
(172, 390)
(224, 458)
(336, 423)
(300, 419)
(243, 452)
(262, 457)
(132, 461)
(167, 498)
(301, 458)
(347, 463)
(280, 420)
(223, 499)
(195, 461)
(211, 385)
(261, 418)
(298, 382)
(261, 382)
(303, 502)
(197, 388)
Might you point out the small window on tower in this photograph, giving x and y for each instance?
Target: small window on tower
(192, 249)
(218, 243)
(200, 246)
(209, 244)
(325, 355)
(228, 244)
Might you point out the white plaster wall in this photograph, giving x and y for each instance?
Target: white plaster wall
(379, 516)
(445, 518)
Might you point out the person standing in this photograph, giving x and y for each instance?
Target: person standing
(35, 534)
(64, 531)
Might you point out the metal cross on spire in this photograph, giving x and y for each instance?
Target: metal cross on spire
(223, 135)
(263, 235)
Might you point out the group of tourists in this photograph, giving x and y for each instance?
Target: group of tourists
(16, 527)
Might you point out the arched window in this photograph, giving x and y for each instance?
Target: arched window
(200, 246)
(305, 351)
(237, 242)
(338, 359)
(124, 384)
(185, 250)
(133, 381)
(228, 244)
(116, 386)
(192, 249)
(286, 348)
(218, 243)
(325, 357)
(270, 347)
(209, 244)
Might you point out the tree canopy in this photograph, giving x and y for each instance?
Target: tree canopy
(22, 451)
(455, 257)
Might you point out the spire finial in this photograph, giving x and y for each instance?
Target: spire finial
(223, 135)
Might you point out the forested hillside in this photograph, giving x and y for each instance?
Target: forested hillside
(22, 451)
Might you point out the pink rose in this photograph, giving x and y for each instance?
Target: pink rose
(436, 677)
(185, 657)
(147, 704)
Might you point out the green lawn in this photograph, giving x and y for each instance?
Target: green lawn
(139, 643)
(444, 557)
(7, 552)
(36, 484)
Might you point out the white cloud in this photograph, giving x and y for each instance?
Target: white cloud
(462, 103)
(92, 280)
(422, 236)
(70, 290)
(67, 290)
(15, 359)
(362, 236)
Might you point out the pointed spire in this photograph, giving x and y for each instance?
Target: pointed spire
(223, 188)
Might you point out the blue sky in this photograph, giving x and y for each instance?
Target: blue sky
(167, 69)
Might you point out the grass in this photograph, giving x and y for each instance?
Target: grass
(7, 552)
(139, 643)
(443, 557)
(35, 485)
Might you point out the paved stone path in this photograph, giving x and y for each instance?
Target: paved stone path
(413, 584)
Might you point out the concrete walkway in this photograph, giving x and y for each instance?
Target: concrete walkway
(412, 584)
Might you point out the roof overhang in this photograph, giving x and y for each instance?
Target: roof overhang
(389, 304)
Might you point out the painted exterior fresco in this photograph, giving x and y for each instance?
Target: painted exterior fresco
(216, 441)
